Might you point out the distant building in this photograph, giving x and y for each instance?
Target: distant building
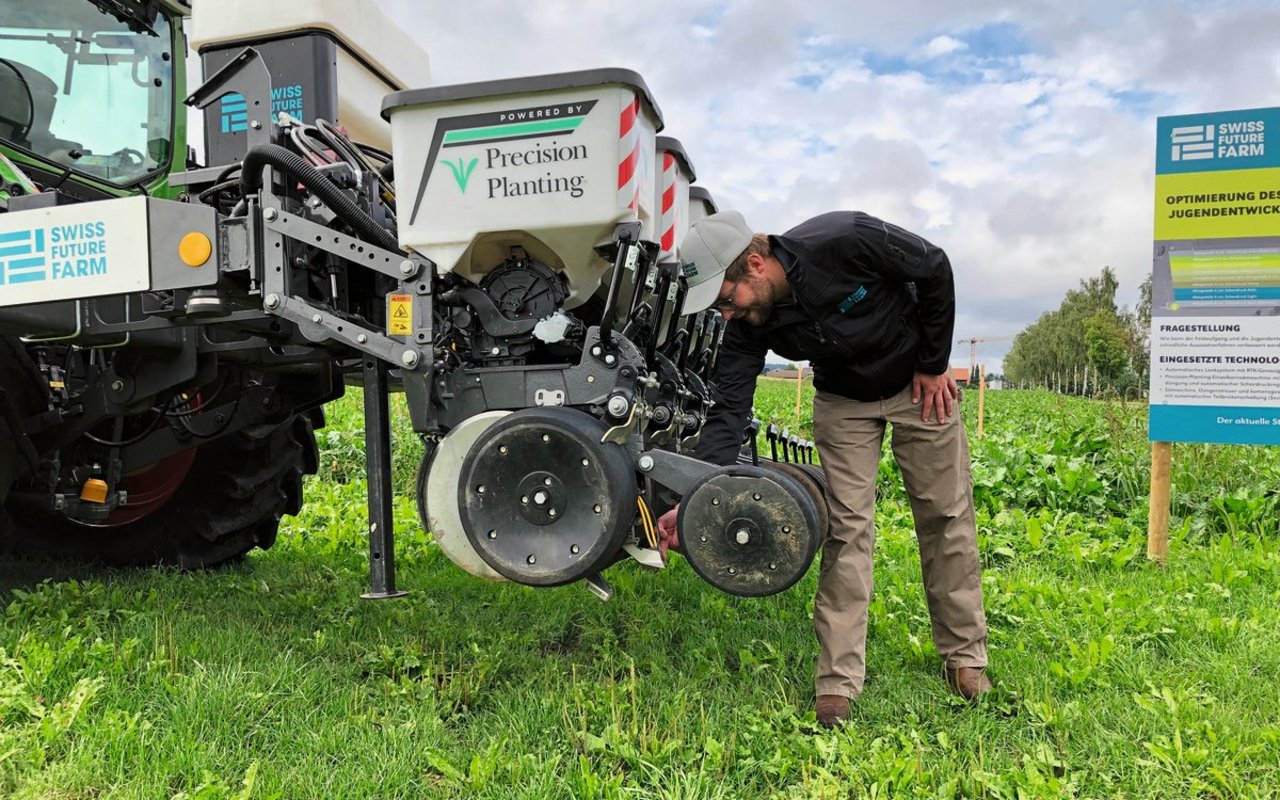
(960, 375)
(783, 372)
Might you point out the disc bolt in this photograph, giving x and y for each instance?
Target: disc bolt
(316, 319)
(407, 268)
(702, 538)
(495, 351)
(773, 566)
(786, 529)
(540, 498)
(755, 496)
(480, 489)
(361, 339)
(646, 463)
(715, 501)
(273, 301)
(269, 214)
(574, 549)
(595, 351)
(546, 481)
(610, 359)
(732, 571)
(546, 438)
(409, 358)
(524, 500)
(618, 405)
(493, 534)
(532, 559)
(743, 536)
(596, 508)
(503, 449)
(586, 463)
(551, 512)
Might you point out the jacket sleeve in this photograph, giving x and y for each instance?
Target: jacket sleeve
(737, 367)
(902, 256)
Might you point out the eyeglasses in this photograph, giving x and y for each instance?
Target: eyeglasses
(723, 304)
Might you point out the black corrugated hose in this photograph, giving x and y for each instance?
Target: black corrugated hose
(310, 177)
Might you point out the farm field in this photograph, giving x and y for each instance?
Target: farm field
(272, 679)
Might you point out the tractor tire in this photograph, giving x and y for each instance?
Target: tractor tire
(230, 502)
(21, 395)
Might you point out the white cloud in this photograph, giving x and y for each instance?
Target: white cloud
(942, 45)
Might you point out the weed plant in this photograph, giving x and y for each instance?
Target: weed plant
(271, 679)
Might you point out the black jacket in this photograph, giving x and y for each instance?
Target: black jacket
(871, 305)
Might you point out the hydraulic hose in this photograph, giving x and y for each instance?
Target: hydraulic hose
(315, 181)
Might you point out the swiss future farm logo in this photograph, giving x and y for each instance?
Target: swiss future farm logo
(22, 256)
(234, 110)
(1240, 139)
(58, 252)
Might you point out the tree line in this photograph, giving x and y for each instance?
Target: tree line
(1089, 345)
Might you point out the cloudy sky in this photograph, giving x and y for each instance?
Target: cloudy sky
(1018, 136)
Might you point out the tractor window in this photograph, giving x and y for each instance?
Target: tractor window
(78, 87)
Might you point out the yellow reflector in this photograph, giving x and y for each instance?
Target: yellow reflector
(195, 249)
(94, 491)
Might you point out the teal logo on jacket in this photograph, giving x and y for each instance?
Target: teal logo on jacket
(852, 300)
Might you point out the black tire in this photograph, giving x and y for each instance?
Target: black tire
(231, 501)
(21, 395)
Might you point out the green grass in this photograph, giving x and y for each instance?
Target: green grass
(1116, 678)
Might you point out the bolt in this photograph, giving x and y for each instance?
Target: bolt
(586, 463)
(495, 351)
(596, 508)
(540, 498)
(546, 438)
(362, 338)
(316, 318)
(573, 548)
(702, 538)
(408, 268)
(546, 481)
(786, 529)
(493, 534)
(480, 489)
(591, 379)
(532, 559)
(715, 501)
(595, 351)
(117, 386)
(255, 125)
(618, 405)
(743, 536)
(273, 301)
(409, 358)
(270, 214)
(610, 360)
(551, 511)
(646, 463)
(773, 566)
(732, 571)
(503, 449)
(755, 495)
(524, 500)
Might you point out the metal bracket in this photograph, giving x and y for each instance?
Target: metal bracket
(319, 324)
(357, 251)
(674, 471)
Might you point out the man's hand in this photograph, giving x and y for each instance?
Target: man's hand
(668, 536)
(939, 393)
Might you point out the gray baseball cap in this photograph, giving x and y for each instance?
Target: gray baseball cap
(712, 244)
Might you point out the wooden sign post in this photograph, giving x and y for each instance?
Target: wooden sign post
(1158, 515)
(982, 396)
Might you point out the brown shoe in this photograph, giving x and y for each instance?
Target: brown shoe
(832, 710)
(969, 682)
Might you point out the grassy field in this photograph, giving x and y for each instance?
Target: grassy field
(1116, 678)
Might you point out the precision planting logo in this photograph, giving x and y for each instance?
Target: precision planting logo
(496, 128)
(462, 174)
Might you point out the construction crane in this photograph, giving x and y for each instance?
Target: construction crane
(973, 346)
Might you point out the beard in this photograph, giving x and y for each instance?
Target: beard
(763, 297)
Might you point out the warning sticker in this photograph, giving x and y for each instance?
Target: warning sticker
(399, 314)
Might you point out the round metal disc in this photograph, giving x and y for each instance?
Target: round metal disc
(543, 501)
(438, 494)
(749, 531)
(806, 479)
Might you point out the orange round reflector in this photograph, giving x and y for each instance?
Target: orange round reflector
(195, 249)
(94, 491)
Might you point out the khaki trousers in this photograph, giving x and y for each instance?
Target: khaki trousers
(934, 460)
